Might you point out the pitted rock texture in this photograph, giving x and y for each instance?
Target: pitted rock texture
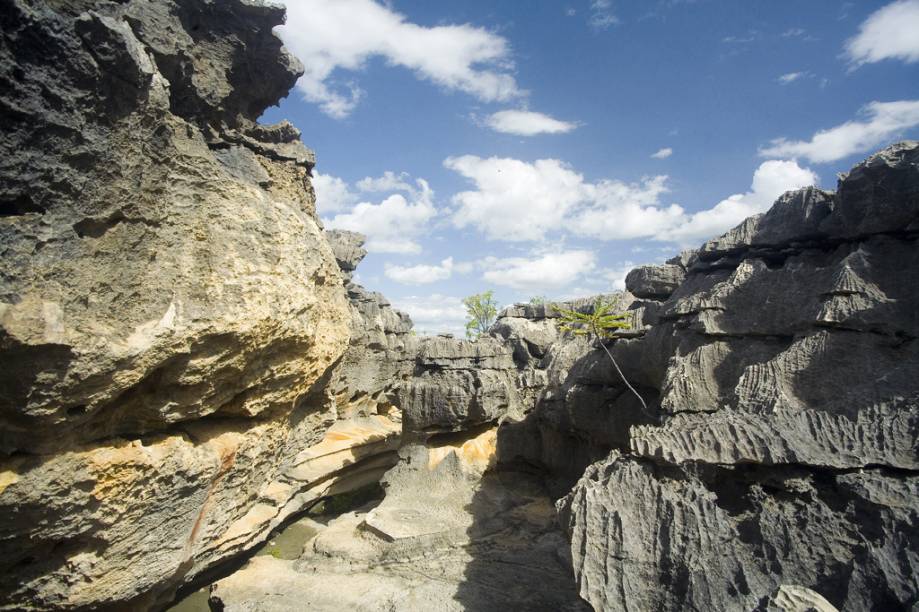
(383, 346)
(169, 307)
(458, 384)
(782, 448)
(655, 282)
(159, 262)
(348, 248)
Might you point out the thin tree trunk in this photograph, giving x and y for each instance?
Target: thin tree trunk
(624, 379)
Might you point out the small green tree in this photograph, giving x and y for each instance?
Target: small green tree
(481, 310)
(599, 324)
(538, 300)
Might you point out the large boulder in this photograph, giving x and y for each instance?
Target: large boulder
(169, 307)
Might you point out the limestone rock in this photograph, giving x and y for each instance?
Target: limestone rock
(449, 535)
(793, 598)
(746, 530)
(169, 306)
(782, 375)
(458, 384)
(348, 248)
(654, 282)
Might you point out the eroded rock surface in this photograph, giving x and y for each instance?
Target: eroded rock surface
(169, 306)
(783, 451)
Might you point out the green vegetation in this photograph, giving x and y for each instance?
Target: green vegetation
(538, 300)
(481, 310)
(274, 551)
(599, 324)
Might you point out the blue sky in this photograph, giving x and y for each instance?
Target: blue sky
(545, 148)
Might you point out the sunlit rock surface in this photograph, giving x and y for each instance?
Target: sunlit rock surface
(169, 306)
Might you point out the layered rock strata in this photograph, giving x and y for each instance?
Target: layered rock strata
(170, 311)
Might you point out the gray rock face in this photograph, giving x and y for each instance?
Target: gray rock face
(458, 384)
(782, 457)
(348, 248)
(655, 282)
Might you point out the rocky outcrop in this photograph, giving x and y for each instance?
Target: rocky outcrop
(458, 384)
(782, 372)
(169, 307)
(186, 364)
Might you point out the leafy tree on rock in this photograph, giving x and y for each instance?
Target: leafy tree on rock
(481, 310)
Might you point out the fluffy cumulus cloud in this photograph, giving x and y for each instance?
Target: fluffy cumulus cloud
(514, 200)
(771, 179)
(891, 32)
(434, 313)
(618, 211)
(520, 201)
(393, 225)
(527, 123)
(546, 272)
(331, 37)
(663, 153)
(420, 274)
(389, 181)
(882, 122)
(332, 193)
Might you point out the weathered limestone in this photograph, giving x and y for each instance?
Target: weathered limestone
(655, 282)
(458, 384)
(169, 307)
(449, 535)
(781, 465)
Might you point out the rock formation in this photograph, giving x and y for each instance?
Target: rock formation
(186, 364)
(784, 370)
(170, 311)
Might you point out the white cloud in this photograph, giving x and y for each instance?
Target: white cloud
(520, 201)
(393, 225)
(390, 181)
(771, 179)
(891, 32)
(601, 15)
(527, 123)
(663, 153)
(793, 32)
(332, 193)
(884, 121)
(420, 274)
(750, 37)
(546, 272)
(616, 276)
(344, 34)
(515, 200)
(618, 210)
(791, 77)
(434, 313)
